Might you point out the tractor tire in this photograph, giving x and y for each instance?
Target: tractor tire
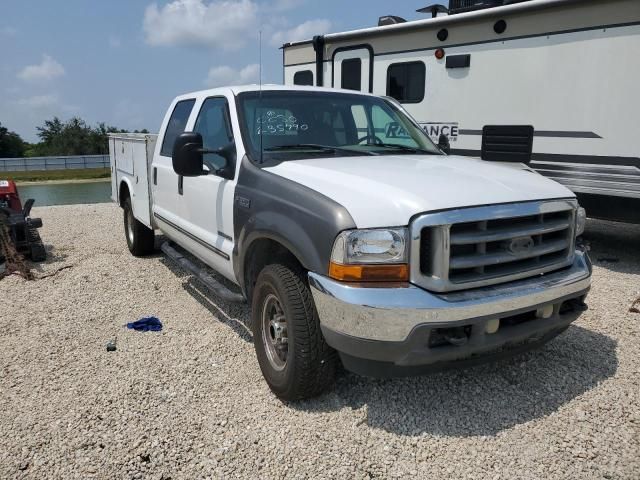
(37, 252)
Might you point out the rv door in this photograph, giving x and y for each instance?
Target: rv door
(353, 68)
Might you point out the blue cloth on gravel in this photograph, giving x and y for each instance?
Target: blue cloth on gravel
(146, 324)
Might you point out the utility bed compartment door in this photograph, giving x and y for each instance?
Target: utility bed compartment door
(131, 156)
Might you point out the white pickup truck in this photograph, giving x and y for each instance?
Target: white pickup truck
(351, 235)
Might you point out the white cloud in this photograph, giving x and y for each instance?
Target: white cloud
(46, 70)
(225, 24)
(39, 102)
(304, 31)
(225, 75)
(29, 111)
(8, 31)
(128, 114)
(114, 42)
(282, 5)
(46, 103)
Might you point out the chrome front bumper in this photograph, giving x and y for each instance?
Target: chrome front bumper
(390, 314)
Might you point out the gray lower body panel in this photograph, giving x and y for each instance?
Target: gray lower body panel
(386, 330)
(418, 354)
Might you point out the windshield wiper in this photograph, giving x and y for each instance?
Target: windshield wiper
(314, 146)
(404, 148)
(300, 146)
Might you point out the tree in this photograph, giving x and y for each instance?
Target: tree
(73, 137)
(11, 145)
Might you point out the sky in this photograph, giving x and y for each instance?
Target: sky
(122, 61)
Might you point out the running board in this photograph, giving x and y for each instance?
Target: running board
(201, 274)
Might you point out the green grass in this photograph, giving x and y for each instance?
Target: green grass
(42, 175)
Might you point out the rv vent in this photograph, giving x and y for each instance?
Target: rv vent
(458, 61)
(434, 10)
(507, 143)
(390, 20)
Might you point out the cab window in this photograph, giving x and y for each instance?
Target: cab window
(389, 129)
(176, 125)
(213, 124)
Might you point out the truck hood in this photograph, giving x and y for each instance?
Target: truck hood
(387, 190)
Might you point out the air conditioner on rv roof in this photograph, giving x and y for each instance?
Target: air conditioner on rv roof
(461, 6)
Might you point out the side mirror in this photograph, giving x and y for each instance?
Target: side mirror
(187, 155)
(443, 143)
(228, 152)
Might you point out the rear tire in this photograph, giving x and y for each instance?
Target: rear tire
(304, 366)
(37, 251)
(140, 239)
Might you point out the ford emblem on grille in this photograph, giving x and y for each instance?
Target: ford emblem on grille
(520, 245)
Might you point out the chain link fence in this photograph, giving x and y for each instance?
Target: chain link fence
(53, 163)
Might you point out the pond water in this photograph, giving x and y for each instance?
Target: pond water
(66, 193)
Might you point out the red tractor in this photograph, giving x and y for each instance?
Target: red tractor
(17, 227)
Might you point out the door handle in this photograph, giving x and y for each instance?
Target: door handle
(180, 184)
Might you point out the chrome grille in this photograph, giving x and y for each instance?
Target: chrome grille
(473, 247)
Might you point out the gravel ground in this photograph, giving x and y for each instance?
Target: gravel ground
(190, 402)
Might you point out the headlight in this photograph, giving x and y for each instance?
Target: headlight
(581, 221)
(370, 246)
(370, 255)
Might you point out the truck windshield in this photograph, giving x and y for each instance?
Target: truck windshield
(290, 125)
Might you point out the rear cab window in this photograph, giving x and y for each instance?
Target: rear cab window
(177, 124)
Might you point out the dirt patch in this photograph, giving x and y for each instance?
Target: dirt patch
(635, 306)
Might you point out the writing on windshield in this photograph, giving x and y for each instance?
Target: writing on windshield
(285, 125)
(274, 123)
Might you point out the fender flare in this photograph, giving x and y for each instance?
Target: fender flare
(297, 242)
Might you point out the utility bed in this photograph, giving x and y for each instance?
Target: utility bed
(131, 155)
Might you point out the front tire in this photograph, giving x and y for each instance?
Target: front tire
(140, 239)
(294, 358)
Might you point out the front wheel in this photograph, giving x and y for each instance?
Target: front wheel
(294, 358)
(140, 239)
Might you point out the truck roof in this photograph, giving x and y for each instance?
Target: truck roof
(237, 89)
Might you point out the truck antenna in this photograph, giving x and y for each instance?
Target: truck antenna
(260, 89)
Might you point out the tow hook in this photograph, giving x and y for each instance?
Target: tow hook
(574, 305)
(456, 336)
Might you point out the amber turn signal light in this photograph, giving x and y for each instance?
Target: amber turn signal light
(369, 273)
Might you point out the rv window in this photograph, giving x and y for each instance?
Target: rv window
(304, 77)
(406, 81)
(176, 125)
(351, 74)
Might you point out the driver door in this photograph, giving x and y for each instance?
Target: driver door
(207, 200)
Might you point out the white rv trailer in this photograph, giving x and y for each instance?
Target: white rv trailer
(569, 68)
